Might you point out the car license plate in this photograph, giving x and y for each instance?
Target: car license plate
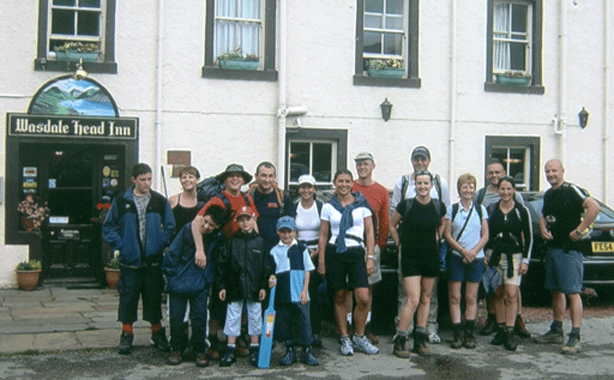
(602, 246)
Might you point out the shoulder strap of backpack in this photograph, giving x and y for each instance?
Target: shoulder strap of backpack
(404, 185)
(481, 195)
(224, 199)
(454, 210)
(319, 205)
(478, 208)
(437, 181)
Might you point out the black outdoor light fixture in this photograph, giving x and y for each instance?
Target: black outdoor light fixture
(386, 107)
(583, 117)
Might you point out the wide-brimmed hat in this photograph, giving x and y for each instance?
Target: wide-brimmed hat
(231, 169)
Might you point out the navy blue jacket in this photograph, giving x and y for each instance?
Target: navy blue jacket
(244, 267)
(121, 229)
(183, 249)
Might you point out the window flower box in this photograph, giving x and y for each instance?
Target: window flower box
(385, 68)
(74, 51)
(515, 79)
(238, 64)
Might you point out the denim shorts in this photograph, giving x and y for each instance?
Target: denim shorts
(564, 271)
(459, 271)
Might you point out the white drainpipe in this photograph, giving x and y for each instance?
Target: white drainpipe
(281, 111)
(606, 96)
(562, 118)
(158, 124)
(453, 78)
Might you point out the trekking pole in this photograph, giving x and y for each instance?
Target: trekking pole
(164, 181)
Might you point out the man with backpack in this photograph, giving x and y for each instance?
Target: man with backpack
(488, 196)
(271, 202)
(405, 188)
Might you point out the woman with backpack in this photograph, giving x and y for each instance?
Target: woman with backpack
(418, 239)
(466, 231)
(511, 239)
(346, 231)
(308, 210)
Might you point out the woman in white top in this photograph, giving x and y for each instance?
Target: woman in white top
(342, 256)
(308, 231)
(466, 231)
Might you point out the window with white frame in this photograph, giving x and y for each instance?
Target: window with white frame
(385, 23)
(239, 28)
(512, 28)
(318, 158)
(76, 25)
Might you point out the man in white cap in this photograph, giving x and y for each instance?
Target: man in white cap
(405, 188)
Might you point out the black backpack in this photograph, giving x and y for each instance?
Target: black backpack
(209, 188)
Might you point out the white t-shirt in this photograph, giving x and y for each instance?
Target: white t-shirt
(308, 224)
(331, 215)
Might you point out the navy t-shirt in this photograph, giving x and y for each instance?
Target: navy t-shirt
(269, 211)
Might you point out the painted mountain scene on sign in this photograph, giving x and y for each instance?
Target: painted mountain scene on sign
(73, 97)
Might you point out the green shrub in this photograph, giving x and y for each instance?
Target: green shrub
(29, 265)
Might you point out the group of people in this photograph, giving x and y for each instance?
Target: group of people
(221, 258)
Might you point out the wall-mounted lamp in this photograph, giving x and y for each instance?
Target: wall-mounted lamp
(386, 107)
(583, 117)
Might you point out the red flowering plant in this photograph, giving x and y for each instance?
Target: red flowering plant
(30, 209)
(103, 209)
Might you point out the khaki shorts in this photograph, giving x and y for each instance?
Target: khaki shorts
(502, 269)
(376, 276)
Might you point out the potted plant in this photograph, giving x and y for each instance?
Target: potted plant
(28, 274)
(385, 68)
(111, 271)
(517, 78)
(103, 209)
(235, 60)
(32, 213)
(73, 51)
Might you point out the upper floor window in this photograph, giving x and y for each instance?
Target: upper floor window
(240, 39)
(74, 30)
(387, 43)
(514, 46)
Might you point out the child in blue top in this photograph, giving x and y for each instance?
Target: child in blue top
(293, 264)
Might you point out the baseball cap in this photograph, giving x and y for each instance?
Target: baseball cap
(286, 222)
(364, 156)
(306, 178)
(421, 151)
(246, 210)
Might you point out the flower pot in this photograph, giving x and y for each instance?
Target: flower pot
(238, 64)
(28, 224)
(28, 279)
(90, 56)
(516, 81)
(112, 276)
(387, 72)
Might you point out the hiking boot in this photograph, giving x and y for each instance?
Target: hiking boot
(308, 358)
(420, 347)
(573, 345)
(490, 327)
(457, 342)
(125, 343)
(253, 355)
(510, 339)
(289, 357)
(361, 343)
(370, 336)
(434, 338)
(553, 336)
(229, 358)
(316, 341)
(158, 340)
(520, 329)
(499, 338)
(174, 358)
(346, 346)
(213, 352)
(201, 360)
(469, 341)
(241, 349)
(399, 349)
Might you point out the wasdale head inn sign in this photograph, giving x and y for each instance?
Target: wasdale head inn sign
(72, 126)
